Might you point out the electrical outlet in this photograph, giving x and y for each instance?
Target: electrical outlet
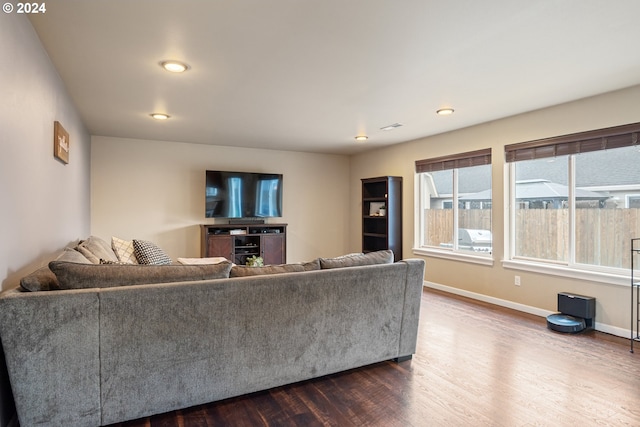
(517, 281)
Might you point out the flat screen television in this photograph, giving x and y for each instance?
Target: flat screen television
(243, 195)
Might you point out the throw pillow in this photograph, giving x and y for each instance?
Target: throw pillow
(378, 257)
(42, 279)
(72, 255)
(95, 249)
(244, 271)
(124, 250)
(72, 275)
(149, 253)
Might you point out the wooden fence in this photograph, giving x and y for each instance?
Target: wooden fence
(602, 235)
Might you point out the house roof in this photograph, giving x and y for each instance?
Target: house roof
(604, 168)
(539, 189)
(617, 167)
(311, 75)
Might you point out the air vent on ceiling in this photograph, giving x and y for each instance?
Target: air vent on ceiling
(391, 127)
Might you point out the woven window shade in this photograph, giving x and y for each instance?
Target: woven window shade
(456, 161)
(583, 142)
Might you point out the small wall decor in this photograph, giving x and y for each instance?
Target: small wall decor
(60, 143)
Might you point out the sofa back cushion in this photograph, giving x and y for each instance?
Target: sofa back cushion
(72, 275)
(354, 260)
(43, 278)
(243, 271)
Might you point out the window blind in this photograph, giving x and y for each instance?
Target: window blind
(582, 142)
(455, 161)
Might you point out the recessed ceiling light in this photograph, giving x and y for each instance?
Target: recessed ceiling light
(391, 127)
(361, 138)
(174, 66)
(445, 111)
(160, 116)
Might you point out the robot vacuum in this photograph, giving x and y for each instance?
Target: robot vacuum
(565, 323)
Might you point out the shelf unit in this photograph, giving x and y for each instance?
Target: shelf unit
(382, 231)
(635, 292)
(237, 242)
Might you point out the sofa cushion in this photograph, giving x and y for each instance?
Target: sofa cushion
(243, 271)
(124, 250)
(82, 276)
(354, 260)
(149, 253)
(95, 249)
(311, 265)
(43, 278)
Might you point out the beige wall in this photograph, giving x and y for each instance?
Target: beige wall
(45, 202)
(154, 190)
(538, 292)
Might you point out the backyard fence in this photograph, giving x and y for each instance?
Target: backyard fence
(602, 235)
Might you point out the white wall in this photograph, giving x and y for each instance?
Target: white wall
(538, 292)
(45, 204)
(154, 190)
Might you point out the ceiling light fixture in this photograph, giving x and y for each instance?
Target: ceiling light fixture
(391, 127)
(160, 116)
(361, 138)
(445, 111)
(174, 66)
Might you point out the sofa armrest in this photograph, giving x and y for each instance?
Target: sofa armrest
(411, 311)
(50, 341)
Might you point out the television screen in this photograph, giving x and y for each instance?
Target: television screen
(243, 195)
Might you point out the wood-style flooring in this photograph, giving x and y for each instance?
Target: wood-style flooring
(476, 365)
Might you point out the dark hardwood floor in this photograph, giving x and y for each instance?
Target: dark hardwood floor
(476, 365)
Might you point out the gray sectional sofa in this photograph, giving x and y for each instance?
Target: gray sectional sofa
(101, 352)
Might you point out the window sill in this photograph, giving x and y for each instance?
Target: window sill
(454, 256)
(565, 271)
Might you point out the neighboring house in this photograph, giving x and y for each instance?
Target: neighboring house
(610, 181)
(539, 194)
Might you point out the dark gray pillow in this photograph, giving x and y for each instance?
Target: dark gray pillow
(72, 275)
(243, 271)
(371, 258)
(42, 279)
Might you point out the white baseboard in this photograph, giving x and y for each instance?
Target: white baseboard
(613, 330)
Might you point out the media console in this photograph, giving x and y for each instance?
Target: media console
(237, 242)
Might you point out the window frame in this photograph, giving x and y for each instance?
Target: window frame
(452, 162)
(571, 145)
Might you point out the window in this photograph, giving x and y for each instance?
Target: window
(575, 198)
(454, 199)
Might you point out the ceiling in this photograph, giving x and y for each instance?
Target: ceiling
(310, 75)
